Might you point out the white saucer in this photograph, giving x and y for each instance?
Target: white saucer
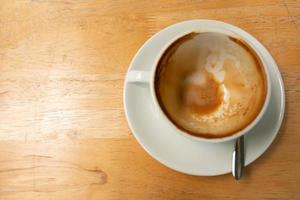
(177, 151)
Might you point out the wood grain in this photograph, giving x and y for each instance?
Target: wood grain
(63, 133)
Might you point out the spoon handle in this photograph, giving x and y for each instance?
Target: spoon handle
(238, 158)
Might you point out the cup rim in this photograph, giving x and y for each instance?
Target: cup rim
(230, 32)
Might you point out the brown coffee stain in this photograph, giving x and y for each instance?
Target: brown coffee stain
(203, 99)
(168, 54)
(259, 65)
(214, 98)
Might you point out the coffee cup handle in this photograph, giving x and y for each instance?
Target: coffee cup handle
(137, 76)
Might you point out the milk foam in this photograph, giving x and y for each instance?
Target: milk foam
(216, 71)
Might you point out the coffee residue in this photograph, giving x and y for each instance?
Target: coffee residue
(183, 96)
(202, 98)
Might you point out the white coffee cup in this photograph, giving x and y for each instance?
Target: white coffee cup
(148, 77)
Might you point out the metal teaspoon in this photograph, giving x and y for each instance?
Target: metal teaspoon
(238, 158)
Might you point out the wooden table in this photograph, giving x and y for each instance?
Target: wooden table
(63, 132)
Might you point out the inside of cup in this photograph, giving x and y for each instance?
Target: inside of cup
(179, 91)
